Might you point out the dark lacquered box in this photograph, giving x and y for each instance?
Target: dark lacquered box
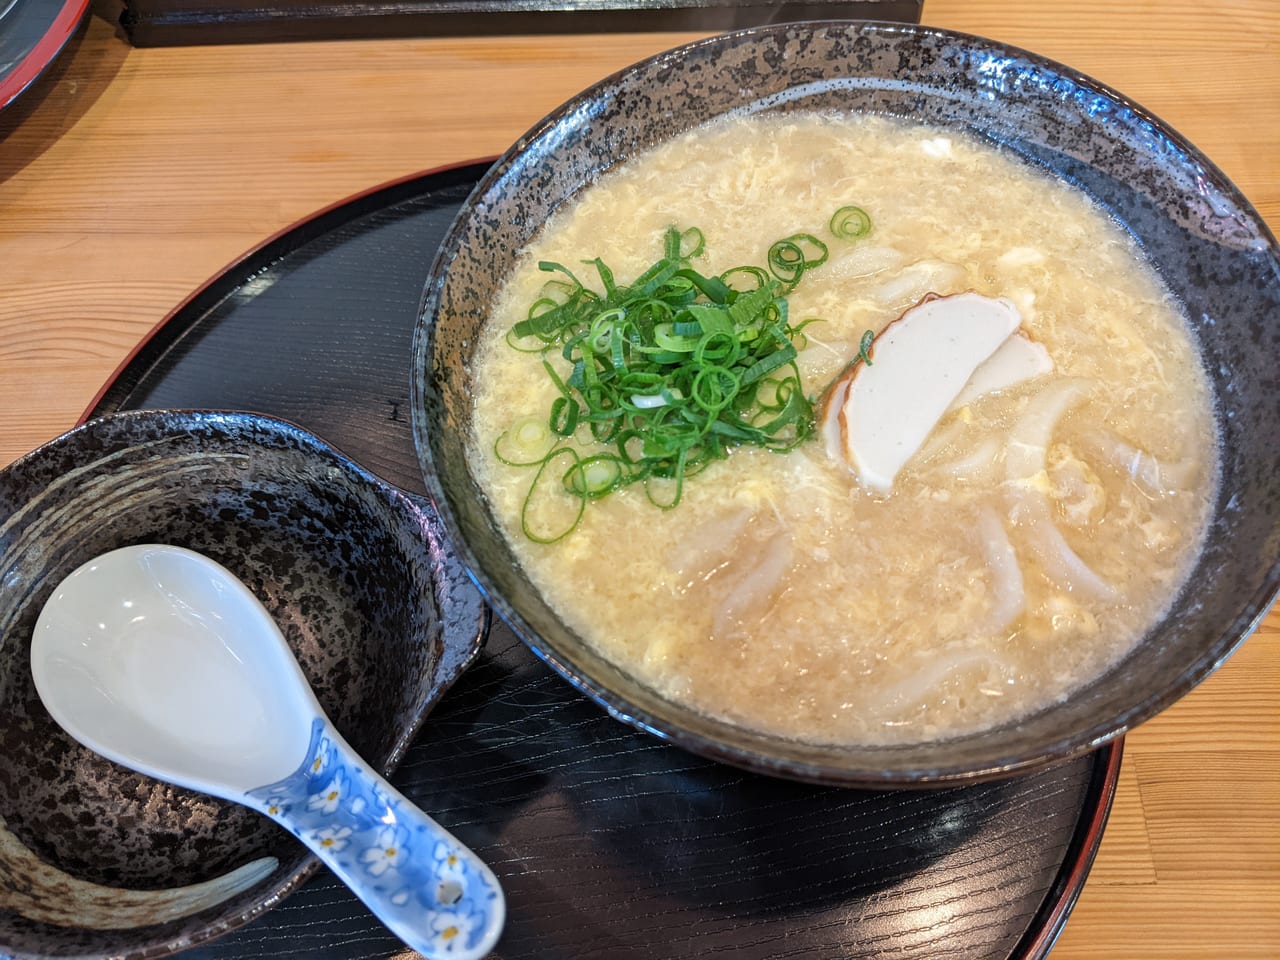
(179, 22)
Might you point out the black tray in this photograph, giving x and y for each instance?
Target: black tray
(609, 843)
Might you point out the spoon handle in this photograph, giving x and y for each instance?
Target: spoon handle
(430, 890)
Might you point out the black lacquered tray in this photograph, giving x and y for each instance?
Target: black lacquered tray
(610, 844)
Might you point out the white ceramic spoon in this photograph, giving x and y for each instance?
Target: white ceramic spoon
(162, 660)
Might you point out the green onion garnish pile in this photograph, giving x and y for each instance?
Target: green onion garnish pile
(666, 374)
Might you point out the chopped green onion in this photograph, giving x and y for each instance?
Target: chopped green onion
(864, 347)
(790, 257)
(850, 223)
(526, 443)
(594, 476)
(564, 415)
(568, 510)
(671, 372)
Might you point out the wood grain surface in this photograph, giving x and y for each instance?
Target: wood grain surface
(128, 177)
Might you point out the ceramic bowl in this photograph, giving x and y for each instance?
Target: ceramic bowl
(1204, 239)
(377, 609)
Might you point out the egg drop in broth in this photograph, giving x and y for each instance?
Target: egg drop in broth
(1039, 530)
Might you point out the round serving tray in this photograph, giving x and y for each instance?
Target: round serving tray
(609, 843)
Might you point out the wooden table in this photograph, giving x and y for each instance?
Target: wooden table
(140, 173)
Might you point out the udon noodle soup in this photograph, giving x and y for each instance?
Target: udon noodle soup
(1042, 520)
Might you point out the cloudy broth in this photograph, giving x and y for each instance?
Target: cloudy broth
(780, 593)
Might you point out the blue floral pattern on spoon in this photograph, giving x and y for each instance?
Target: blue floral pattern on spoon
(433, 892)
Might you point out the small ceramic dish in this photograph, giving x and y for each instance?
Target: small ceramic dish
(1200, 234)
(98, 861)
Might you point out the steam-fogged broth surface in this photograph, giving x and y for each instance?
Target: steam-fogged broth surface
(1028, 544)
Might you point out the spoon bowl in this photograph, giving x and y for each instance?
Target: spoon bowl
(160, 659)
